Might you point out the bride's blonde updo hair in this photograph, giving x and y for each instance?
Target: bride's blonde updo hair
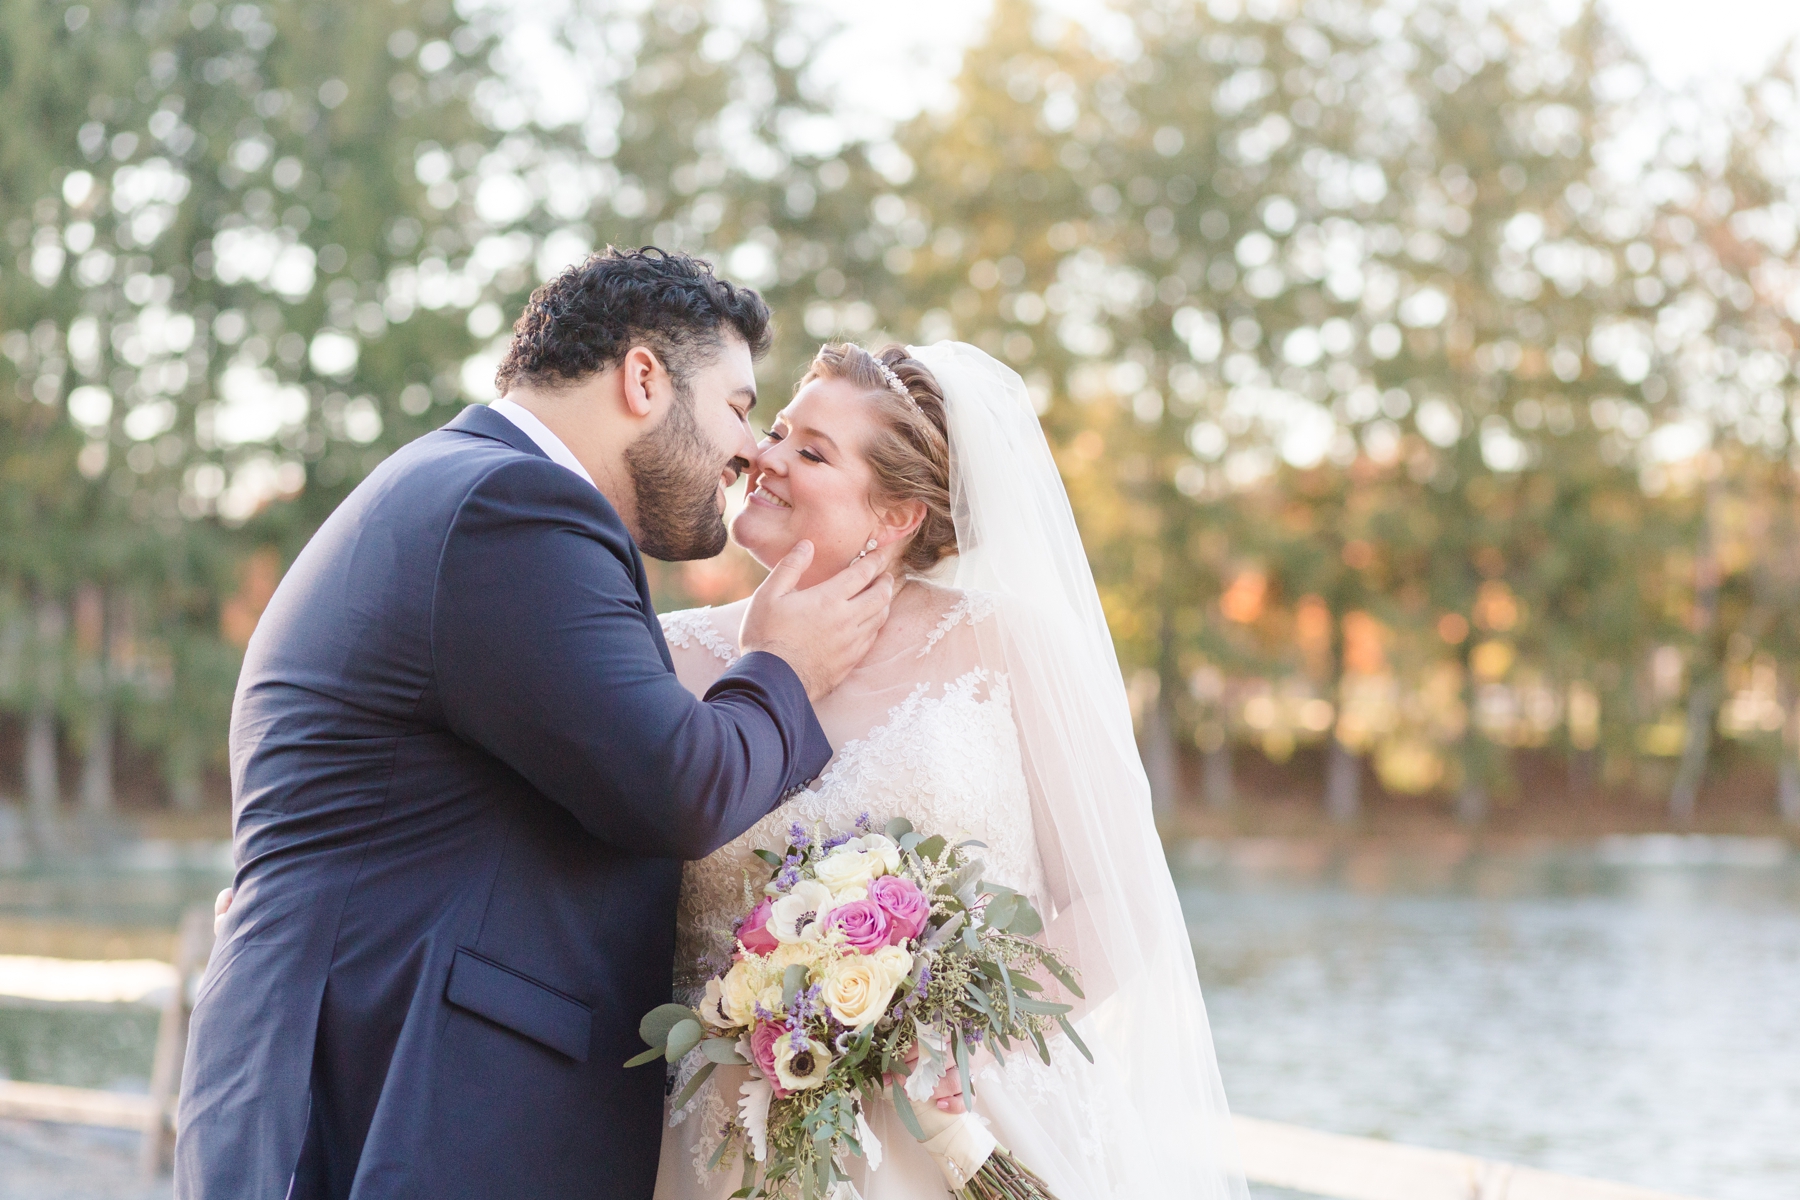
(910, 453)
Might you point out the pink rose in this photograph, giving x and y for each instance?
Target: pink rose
(762, 1048)
(904, 904)
(865, 926)
(754, 932)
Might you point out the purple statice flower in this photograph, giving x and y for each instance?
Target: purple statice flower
(798, 838)
(788, 878)
(836, 840)
(762, 1014)
(924, 982)
(863, 823)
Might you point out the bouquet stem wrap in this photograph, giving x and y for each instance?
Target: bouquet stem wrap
(959, 1143)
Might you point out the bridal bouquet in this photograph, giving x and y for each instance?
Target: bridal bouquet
(874, 963)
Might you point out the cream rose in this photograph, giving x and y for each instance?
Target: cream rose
(895, 960)
(739, 990)
(858, 988)
(857, 861)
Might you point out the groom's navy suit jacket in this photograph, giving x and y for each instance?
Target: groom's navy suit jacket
(463, 777)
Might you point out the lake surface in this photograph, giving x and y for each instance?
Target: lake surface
(1629, 1010)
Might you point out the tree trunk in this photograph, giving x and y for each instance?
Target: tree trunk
(1472, 802)
(43, 783)
(181, 771)
(1161, 762)
(97, 765)
(43, 790)
(1703, 696)
(1787, 774)
(1343, 783)
(1684, 796)
(1221, 795)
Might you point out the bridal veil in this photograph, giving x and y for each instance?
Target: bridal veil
(1112, 908)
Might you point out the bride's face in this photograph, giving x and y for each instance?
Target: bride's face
(812, 481)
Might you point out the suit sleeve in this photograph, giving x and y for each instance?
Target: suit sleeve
(544, 660)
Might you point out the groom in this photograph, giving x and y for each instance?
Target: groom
(464, 772)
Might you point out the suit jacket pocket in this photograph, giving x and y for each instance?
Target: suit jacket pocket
(520, 1003)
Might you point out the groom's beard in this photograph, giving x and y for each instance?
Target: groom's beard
(675, 475)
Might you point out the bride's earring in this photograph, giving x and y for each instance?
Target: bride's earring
(867, 546)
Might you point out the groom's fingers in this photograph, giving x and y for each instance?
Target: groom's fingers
(860, 575)
(786, 575)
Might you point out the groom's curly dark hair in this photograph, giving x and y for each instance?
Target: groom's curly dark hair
(590, 316)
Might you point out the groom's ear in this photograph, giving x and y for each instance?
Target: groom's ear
(644, 381)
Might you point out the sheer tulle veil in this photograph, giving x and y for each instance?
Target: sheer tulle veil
(1112, 904)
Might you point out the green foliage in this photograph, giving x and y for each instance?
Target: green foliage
(1420, 386)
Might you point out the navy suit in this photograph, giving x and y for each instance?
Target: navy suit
(463, 776)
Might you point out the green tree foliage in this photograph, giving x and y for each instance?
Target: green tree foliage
(1423, 377)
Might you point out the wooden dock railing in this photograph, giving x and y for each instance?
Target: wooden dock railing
(1288, 1156)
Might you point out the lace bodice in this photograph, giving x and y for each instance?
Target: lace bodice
(946, 757)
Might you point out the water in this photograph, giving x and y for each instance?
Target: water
(125, 904)
(1629, 1010)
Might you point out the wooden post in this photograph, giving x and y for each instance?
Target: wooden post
(193, 947)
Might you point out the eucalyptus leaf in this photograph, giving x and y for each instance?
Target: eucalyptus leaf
(792, 980)
(910, 840)
(1064, 976)
(979, 1000)
(722, 1051)
(693, 1085)
(962, 1069)
(908, 1118)
(999, 913)
(1042, 1049)
(971, 842)
(684, 1037)
(1025, 921)
(1045, 1008)
(655, 1026)
(931, 847)
(995, 891)
(898, 828)
(648, 1056)
(1069, 1028)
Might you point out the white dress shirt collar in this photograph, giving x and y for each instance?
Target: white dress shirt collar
(540, 433)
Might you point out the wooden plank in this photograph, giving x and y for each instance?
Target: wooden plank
(74, 1106)
(1353, 1168)
(193, 946)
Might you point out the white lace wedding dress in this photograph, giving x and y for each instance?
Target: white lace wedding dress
(997, 708)
(940, 748)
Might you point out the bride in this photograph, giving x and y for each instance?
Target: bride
(990, 704)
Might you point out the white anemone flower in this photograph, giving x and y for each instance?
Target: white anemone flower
(799, 916)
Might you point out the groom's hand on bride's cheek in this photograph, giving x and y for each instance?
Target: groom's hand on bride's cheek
(824, 630)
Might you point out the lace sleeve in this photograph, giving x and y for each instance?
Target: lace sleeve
(700, 651)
